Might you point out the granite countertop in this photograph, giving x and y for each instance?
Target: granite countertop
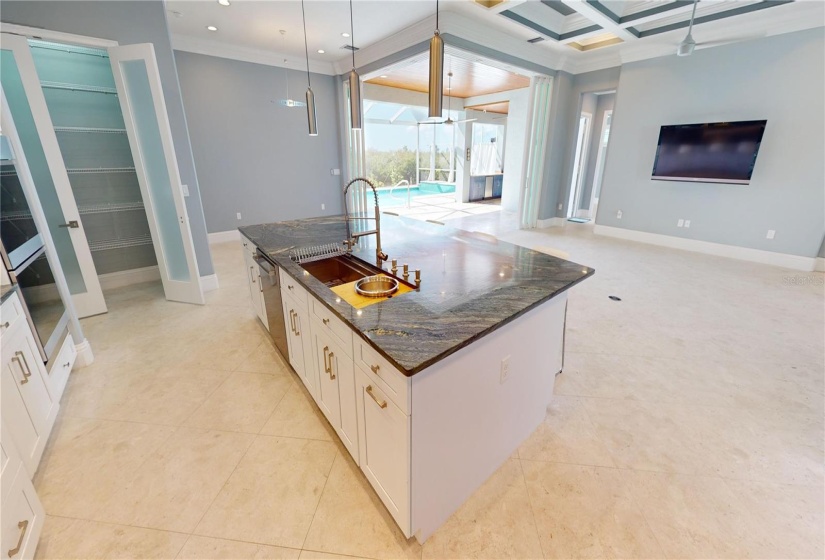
(471, 284)
(6, 290)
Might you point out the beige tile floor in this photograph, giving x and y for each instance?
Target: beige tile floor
(688, 423)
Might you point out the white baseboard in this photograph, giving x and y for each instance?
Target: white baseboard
(209, 282)
(551, 222)
(223, 236)
(783, 260)
(123, 278)
(820, 264)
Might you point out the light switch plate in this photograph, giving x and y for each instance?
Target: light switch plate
(185, 189)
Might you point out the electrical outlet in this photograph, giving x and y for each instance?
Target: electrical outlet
(687, 223)
(238, 215)
(323, 206)
(771, 234)
(680, 223)
(335, 171)
(505, 369)
(185, 189)
(619, 215)
(561, 206)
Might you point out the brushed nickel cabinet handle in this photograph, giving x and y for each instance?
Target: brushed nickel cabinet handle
(5, 325)
(381, 404)
(289, 286)
(21, 361)
(326, 359)
(325, 321)
(375, 369)
(297, 324)
(252, 274)
(331, 374)
(292, 320)
(23, 525)
(67, 364)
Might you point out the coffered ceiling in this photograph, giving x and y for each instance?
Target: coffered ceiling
(571, 35)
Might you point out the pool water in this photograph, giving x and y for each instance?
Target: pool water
(399, 194)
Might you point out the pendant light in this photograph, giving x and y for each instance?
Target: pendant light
(355, 115)
(288, 102)
(312, 121)
(436, 91)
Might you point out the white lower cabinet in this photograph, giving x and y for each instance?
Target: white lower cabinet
(299, 339)
(28, 408)
(253, 280)
(336, 386)
(384, 440)
(22, 518)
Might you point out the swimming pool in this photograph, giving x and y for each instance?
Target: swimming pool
(389, 196)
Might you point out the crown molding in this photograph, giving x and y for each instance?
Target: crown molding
(208, 47)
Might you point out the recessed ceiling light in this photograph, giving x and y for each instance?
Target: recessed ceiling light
(384, 76)
(211, 28)
(223, 2)
(345, 34)
(321, 51)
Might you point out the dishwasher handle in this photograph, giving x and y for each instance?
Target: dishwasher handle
(267, 268)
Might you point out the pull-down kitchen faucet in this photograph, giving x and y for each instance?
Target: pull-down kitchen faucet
(352, 237)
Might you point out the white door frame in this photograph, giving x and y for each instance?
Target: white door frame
(91, 302)
(579, 161)
(191, 290)
(599, 171)
(532, 172)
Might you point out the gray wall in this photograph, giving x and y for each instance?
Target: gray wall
(564, 122)
(780, 79)
(253, 154)
(129, 22)
(603, 103)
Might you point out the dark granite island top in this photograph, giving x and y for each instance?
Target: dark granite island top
(471, 284)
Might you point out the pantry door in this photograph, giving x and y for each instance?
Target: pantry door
(24, 95)
(150, 137)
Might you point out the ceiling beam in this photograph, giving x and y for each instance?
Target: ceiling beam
(600, 15)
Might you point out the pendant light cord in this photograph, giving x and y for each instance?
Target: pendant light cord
(352, 34)
(436, 15)
(306, 46)
(692, 16)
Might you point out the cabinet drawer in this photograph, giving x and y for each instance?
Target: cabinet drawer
(247, 245)
(331, 324)
(291, 287)
(391, 381)
(22, 518)
(61, 366)
(10, 313)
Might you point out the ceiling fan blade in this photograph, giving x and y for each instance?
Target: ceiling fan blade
(720, 42)
(465, 120)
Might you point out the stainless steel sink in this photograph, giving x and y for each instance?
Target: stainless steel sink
(376, 286)
(335, 271)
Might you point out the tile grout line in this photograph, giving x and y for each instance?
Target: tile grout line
(532, 509)
(321, 495)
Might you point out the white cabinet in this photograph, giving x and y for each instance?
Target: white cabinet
(384, 442)
(253, 280)
(296, 318)
(61, 366)
(336, 385)
(21, 513)
(28, 408)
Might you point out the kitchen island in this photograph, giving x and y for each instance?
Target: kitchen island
(432, 390)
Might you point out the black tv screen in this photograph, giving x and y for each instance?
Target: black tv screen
(722, 152)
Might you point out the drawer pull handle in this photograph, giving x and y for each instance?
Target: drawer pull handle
(289, 286)
(331, 375)
(5, 325)
(297, 328)
(292, 321)
(252, 274)
(325, 321)
(23, 525)
(381, 404)
(326, 358)
(375, 369)
(67, 364)
(21, 361)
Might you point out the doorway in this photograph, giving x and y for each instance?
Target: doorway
(604, 138)
(579, 160)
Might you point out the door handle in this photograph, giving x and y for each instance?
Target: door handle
(292, 320)
(380, 403)
(297, 325)
(23, 525)
(326, 358)
(331, 374)
(71, 224)
(21, 361)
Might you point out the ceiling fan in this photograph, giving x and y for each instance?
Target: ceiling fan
(449, 120)
(688, 44)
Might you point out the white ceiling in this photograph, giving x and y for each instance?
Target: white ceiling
(249, 29)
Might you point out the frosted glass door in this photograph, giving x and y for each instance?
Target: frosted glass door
(150, 137)
(24, 95)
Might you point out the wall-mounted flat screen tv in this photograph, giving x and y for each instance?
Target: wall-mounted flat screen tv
(723, 152)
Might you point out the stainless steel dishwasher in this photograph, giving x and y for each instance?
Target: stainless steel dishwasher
(271, 288)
